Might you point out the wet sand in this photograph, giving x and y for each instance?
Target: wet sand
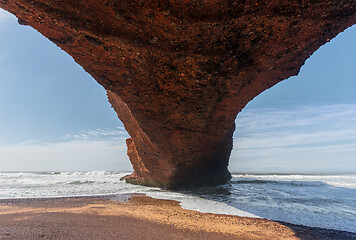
(137, 217)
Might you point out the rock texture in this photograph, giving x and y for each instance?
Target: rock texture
(178, 72)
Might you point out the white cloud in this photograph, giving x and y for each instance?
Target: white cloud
(89, 150)
(300, 139)
(114, 134)
(67, 156)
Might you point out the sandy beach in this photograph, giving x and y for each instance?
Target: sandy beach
(137, 217)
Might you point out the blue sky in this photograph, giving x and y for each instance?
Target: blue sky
(54, 116)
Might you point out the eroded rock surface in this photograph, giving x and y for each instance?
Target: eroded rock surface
(178, 72)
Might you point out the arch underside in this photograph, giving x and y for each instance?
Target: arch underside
(178, 72)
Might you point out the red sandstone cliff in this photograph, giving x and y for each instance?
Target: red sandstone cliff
(178, 72)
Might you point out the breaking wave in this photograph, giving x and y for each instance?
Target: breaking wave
(327, 201)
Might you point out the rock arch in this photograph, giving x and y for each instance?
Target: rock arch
(178, 72)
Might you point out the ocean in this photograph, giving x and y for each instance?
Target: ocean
(327, 201)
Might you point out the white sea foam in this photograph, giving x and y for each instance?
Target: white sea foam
(327, 201)
(341, 180)
(200, 204)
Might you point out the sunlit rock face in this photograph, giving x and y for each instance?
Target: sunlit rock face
(178, 72)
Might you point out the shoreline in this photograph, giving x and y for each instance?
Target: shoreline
(121, 216)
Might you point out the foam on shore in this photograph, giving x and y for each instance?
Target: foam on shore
(297, 199)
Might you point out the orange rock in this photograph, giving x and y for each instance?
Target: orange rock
(178, 72)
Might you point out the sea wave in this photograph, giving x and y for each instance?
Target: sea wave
(343, 180)
(291, 183)
(299, 199)
(91, 173)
